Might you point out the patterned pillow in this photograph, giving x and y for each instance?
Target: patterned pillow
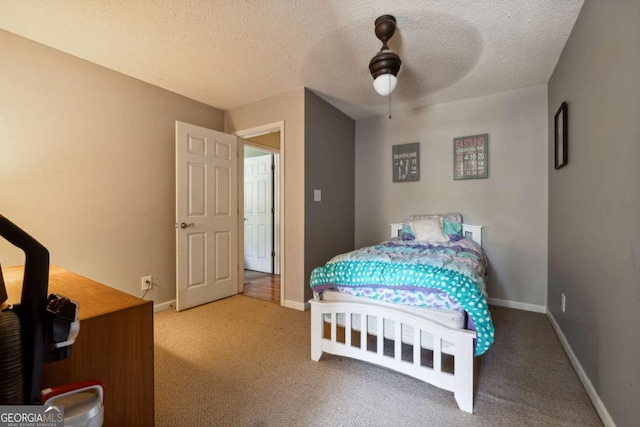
(406, 233)
(451, 222)
(452, 228)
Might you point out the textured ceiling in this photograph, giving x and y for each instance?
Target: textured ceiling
(229, 53)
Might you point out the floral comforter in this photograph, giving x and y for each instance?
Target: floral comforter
(442, 275)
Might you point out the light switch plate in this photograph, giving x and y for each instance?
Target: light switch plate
(317, 195)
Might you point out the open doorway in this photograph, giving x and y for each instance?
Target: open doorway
(259, 210)
(261, 214)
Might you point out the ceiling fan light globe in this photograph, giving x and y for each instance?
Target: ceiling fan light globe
(384, 84)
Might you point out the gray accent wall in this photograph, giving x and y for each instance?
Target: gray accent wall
(594, 202)
(329, 159)
(511, 203)
(87, 160)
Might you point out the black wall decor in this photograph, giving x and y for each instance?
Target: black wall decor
(561, 131)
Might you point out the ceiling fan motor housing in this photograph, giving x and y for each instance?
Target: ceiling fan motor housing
(384, 62)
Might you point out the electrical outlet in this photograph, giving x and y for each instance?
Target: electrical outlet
(147, 282)
(563, 303)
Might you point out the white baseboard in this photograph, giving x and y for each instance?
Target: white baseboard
(164, 306)
(519, 305)
(301, 306)
(591, 391)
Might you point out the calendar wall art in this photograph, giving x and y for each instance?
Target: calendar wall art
(406, 162)
(471, 157)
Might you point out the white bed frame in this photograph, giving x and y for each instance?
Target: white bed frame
(460, 382)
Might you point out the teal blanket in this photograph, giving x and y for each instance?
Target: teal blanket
(457, 269)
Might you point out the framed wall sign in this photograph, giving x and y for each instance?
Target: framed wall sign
(561, 136)
(471, 157)
(406, 162)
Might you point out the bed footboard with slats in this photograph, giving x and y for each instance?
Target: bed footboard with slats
(412, 357)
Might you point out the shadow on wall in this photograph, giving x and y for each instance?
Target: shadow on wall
(506, 267)
(445, 45)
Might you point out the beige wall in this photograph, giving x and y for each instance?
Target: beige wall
(87, 165)
(288, 107)
(511, 203)
(271, 140)
(594, 203)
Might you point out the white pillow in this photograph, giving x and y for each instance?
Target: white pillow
(429, 229)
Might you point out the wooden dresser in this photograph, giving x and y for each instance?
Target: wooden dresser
(115, 344)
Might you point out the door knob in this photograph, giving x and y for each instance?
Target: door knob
(183, 225)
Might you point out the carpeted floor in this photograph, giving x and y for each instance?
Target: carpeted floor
(246, 362)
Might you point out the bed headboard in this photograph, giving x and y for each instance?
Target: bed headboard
(473, 232)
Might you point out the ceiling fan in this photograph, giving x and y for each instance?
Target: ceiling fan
(384, 66)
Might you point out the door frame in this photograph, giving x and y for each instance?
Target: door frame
(280, 179)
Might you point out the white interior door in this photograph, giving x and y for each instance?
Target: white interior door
(206, 215)
(258, 213)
